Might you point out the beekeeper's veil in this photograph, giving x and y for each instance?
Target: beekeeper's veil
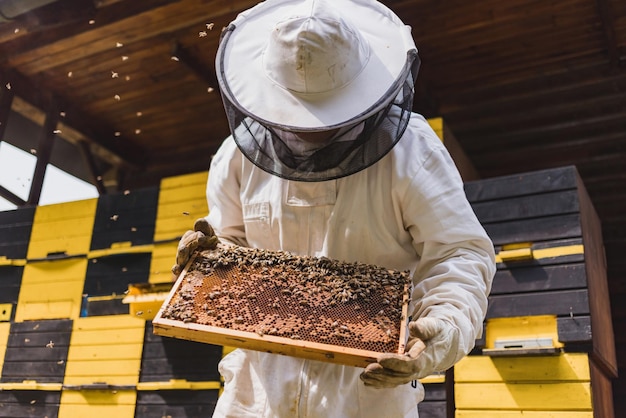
(290, 69)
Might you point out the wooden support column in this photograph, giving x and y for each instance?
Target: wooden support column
(6, 100)
(96, 176)
(44, 151)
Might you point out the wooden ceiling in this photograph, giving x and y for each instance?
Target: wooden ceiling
(523, 85)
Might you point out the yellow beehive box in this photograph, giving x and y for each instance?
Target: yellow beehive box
(5, 311)
(51, 290)
(105, 350)
(62, 229)
(104, 403)
(4, 338)
(543, 385)
(182, 199)
(145, 299)
(437, 125)
(163, 258)
(522, 335)
(524, 414)
(464, 164)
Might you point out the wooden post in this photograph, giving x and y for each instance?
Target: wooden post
(91, 166)
(6, 100)
(44, 151)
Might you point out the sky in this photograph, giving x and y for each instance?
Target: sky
(16, 172)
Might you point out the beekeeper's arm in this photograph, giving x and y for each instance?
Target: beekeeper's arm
(224, 209)
(451, 282)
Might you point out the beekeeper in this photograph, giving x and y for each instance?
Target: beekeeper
(326, 159)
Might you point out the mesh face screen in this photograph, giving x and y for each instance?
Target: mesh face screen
(382, 129)
(269, 293)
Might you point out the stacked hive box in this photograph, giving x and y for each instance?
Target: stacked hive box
(120, 250)
(36, 352)
(64, 271)
(15, 229)
(548, 349)
(102, 367)
(182, 200)
(50, 285)
(557, 386)
(54, 276)
(438, 401)
(63, 279)
(178, 378)
(438, 392)
(32, 372)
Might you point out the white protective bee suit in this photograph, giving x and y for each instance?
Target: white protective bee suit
(380, 188)
(406, 212)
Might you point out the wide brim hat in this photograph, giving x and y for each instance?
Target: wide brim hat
(313, 64)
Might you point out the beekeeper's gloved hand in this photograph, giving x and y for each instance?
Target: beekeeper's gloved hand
(432, 346)
(202, 237)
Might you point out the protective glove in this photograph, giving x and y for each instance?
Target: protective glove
(202, 237)
(432, 346)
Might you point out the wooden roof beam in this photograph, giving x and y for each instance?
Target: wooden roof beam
(27, 33)
(173, 17)
(205, 74)
(78, 123)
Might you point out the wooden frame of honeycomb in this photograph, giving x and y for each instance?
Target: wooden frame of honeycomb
(273, 301)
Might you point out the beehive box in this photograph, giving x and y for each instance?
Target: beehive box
(438, 395)
(276, 302)
(168, 360)
(564, 385)
(550, 256)
(36, 352)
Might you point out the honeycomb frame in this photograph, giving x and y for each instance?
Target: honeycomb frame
(277, 302)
